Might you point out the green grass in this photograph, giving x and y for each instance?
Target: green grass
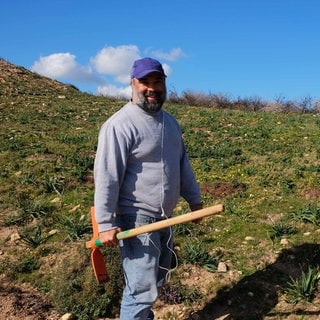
(265, 168)
(304, 287)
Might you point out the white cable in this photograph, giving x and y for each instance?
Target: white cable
(163, 214)
(169, 271)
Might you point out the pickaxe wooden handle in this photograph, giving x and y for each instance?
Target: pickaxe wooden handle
(194, 215)
(97, 259)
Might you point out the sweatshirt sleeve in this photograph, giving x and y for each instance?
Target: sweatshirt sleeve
(189, 187)
(109, 169)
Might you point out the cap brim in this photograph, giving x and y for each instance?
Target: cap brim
(146, 72)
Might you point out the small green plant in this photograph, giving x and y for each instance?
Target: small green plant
(287, 185)
(75, 226)
(175, 293)
(304, 287)
(183, 229)
(311, 214)
(28, 178)
(195, 253)
(14, 219)
(53, 184)
(278, 230)
(82, 164)
(27, 264)
(28, 209)
(33, 237)
(33, 208)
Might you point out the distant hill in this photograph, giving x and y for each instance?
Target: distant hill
(17, 80)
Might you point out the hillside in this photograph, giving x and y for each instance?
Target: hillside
(15, 80)
(260, 259)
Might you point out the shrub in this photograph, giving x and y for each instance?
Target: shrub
(75, 289)
(33, 237)
(278, 230)
(195, 253)
(175, 293)
(74, 225)
(27, 264)
(304, 287)
(33, 208)
(311, 214)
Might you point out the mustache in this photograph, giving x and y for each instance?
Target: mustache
(153, 94)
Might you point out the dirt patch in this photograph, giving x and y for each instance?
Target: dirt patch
(312, 194)
(221, 189)
(24, 302)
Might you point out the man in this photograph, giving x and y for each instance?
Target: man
(141, 170)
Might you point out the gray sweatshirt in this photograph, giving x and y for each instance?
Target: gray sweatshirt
(141, 166)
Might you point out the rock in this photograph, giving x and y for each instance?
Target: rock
(67, 316)
(75, 208)
(53, 231)
(14, 237)
(56, 200)
(222, 267)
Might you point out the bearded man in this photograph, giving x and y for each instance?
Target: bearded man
(141, 169)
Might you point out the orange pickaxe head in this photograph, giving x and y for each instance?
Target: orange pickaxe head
(97, 259)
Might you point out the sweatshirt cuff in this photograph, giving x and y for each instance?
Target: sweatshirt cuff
(106, 227)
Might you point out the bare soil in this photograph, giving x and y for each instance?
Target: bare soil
(24, 302)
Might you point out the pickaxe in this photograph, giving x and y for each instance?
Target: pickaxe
(97, 259)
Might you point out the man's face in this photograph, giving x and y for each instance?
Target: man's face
(149, 92)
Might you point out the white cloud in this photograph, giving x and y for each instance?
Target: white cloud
(64, 65)
(55, 65)
(114, 91)
(116, 61)
(111, 65)
(173, 55)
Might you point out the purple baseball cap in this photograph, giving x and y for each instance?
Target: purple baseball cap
(144, 66)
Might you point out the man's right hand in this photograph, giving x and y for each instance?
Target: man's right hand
(108, 238)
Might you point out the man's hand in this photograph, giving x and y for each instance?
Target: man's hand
(195, 207)
(108, 238)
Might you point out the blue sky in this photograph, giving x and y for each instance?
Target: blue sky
(240, 48)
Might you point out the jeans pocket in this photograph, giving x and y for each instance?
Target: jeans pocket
(134, 221)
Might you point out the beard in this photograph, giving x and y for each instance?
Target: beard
(154, 106)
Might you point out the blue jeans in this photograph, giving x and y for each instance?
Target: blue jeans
(146, 260)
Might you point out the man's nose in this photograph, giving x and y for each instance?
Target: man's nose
(151, 87)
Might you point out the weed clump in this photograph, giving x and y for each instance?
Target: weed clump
(304, 287)
(195, 252)
(75, 289)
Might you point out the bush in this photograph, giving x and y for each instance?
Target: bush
(304, 287)
(195, 253)
(75, 289)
